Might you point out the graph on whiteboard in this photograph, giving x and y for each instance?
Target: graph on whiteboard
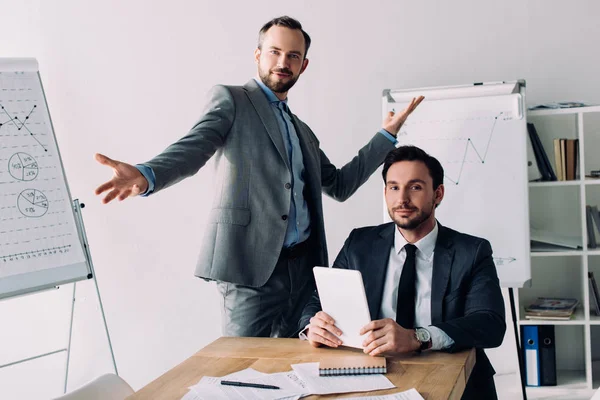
(37, 225)
(480, 143)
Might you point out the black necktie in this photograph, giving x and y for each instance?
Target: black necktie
(405, 307)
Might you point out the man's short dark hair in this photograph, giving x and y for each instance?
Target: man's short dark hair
(413, 153)
(286, 22)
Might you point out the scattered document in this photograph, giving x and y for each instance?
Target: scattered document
(309, 374)
(210, 387)
(410, 394)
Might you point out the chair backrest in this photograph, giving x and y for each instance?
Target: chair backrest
(105, 387)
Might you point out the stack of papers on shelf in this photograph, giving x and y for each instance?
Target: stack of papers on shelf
(303, 380)
(551, 241)
(557, 105)
(551, 308)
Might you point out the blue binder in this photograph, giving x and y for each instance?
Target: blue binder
(531, 349)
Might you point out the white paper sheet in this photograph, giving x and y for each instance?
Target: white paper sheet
(37, 224)
(211, 388)
(309, 373)
(410, 394)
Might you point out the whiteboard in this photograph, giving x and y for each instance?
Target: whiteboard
(478, 133)
(41, 245)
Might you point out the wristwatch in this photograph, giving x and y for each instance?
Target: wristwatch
(424, 337)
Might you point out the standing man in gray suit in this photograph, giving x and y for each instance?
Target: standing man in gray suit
(266, 229)
(428, 287)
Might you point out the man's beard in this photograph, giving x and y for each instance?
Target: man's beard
(277, 86)
(410, 224)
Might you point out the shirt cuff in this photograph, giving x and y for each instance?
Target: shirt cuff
(439, 339)
(302, 334)
(388, 135)
(150, 177)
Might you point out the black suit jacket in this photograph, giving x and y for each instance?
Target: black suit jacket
(466, 300)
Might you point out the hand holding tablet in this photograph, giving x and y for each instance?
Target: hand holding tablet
(343, 298)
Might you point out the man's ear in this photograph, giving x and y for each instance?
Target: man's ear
(439, 194)
(304, 65)
(256, 55)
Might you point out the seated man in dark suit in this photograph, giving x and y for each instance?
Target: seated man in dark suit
(428, 287)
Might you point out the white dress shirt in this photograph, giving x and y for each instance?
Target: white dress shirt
(424, 270)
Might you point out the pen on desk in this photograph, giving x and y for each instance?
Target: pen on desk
(253, 385)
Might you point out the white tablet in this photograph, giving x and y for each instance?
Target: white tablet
(343, 297)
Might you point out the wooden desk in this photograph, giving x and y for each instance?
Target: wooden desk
(435, 375)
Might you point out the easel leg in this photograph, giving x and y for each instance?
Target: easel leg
(70, 335)
(513, 311)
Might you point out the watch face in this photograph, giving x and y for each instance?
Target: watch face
(423, 335)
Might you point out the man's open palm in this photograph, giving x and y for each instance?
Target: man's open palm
(127, 181)
(393, 122)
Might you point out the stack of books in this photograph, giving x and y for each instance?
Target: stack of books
(566, 154)
(551, 308)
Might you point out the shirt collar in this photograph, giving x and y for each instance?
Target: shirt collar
(268, 92)
(426, 245)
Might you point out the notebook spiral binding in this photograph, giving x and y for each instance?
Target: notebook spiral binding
(351, 371)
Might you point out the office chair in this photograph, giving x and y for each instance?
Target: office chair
(105, 387)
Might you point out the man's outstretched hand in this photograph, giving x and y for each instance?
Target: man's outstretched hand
(127, 181)
(393, 122)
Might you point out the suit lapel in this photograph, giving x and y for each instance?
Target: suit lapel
(309, 153)
(375, 278)
(264, 111)
(442, 265)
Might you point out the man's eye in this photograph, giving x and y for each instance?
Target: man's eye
(416, 187)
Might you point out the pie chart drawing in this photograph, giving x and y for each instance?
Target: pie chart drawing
(32, 203)
(23, 167)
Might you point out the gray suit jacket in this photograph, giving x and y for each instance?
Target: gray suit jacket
(466, 300)
(248, 219)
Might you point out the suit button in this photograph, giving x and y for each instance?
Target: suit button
(288, 186)
(284, 217)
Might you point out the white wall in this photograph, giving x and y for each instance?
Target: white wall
(128, 77)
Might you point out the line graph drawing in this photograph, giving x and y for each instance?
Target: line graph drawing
(19, 123)
(23, 167)
(472, 149)
(503, 260)
(32, 203)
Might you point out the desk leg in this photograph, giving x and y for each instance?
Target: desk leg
(513, 311)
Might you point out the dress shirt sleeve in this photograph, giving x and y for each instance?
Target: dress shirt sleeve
(302, 334)
(388, 135)
(150, 177)
(439, 339)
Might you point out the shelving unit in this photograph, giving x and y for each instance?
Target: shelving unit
(560, 207)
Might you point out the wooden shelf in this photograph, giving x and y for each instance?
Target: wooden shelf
(592, 181)
(565, 211)
(557, 253)
(594, 320)
(566, 380)
(555, 183)
(563, 111)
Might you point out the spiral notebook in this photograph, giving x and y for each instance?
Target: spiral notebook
(352, 365)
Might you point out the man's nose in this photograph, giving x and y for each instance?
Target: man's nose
(282, 61)
(403, 197)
